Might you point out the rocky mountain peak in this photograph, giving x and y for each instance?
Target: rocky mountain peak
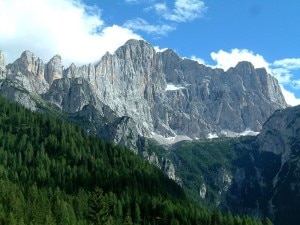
(29, 65)
(54, 69)
(137, 51)
(245, 67)
(136, 42)
(28, 57)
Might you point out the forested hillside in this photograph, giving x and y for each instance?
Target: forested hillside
(51, 172)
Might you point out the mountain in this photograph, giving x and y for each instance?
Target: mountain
(267, 179)
(152, 101)
(163, 96)
(51, 172)
(257, 176)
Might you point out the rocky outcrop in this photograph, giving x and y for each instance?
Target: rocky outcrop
(28, 72)
(124, 131)
(278, 132)
(2, 66)
(267, 180)
(71, 95)
(24, 80)
(54, 69)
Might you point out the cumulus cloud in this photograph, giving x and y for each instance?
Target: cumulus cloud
(289, 63)
(225, 60)
(140, 24)
(199, 60)
(290, 97)
(66, 27)
(284, 70)
(183, 11)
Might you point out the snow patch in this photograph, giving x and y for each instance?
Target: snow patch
(247, 132)
(173, 87)
(169, 140)
(158, 49)
(212, 135)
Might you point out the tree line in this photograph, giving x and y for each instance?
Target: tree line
(51, 172)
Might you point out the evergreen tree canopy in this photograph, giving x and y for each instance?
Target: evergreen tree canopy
(51, 172)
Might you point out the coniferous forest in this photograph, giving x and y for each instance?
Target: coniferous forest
(51, 172)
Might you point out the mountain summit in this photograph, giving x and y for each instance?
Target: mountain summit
(166, 97)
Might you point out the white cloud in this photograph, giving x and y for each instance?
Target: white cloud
(199, 60)
(290, 97)
(225, 60)
(288, 63)
(140, 24)
(65, 27)
(284, 71)
(183, 11)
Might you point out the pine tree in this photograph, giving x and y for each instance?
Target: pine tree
(98, 208)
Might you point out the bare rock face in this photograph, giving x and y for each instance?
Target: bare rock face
(164, 95)
(126, 81)
(2, 65)
(124, 131)
(54, 69)
(279, 131)
(213, 101)
(28, 72)
(172, 96)
(24, 80)
(71, 95)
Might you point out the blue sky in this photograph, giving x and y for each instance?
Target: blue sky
(215, 32)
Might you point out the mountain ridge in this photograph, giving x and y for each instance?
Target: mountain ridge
(164, 94)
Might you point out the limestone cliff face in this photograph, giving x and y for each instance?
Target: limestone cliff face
(162, 93)
(53, 69)
(2, 65)
(172, 96)
(280, 130)
(71, 95)
(126, 81)
(28, 70)
(23, 79)
(212, 100)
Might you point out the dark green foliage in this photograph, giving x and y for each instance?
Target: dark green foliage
(201, 162)
(51, 172)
